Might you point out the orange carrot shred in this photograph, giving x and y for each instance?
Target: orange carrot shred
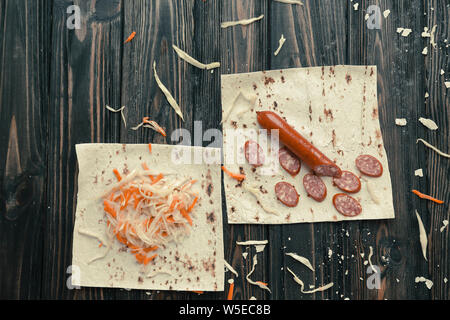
(192, 205)
(132, 35)
(150, 147)
(159, 177)
(199, 292)
(109, 209)
(230, 291)
(427, 197)
(236, 176)
(117, 174)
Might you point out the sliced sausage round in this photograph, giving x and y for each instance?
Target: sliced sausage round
(346, 205)
(287, 194)
(369, 165)
(254, 153)
(289, 161)
(314, 186)
(348, 182)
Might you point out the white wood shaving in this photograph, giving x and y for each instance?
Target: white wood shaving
(250, 101)
(386, 13)
(430, 124)
(183, 55)
(252, 298)
(442, 72)
(447, 84)
(428, 282)
(445, 224)
(433, 148)
(401, 122)
(257, 283)
(290, 1)
(302, 285)
(370, 259)
(244, 255)
(230, 281)
(355, 6)
(427, 94)
(241, 22)
(166, 92)
(301, 260)
(404, 31)
(260, 247)
(252, 242)
(422, 236)
(425, 33)
(229, 267)
(433, 36)
(367, 16)
(330, 253)
(280, 44)
(418, 173)
(256, 193)
(425, 51)
(121, 113)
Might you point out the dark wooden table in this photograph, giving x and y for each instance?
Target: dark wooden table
(56, 81)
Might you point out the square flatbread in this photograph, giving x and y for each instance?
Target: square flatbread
(196, 263)
(335, 108)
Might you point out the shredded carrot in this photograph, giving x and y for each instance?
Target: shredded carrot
(263, 283)
(117, 174)
(132, 35)
(100, 245)
(107, 207)
(236, 176)
(185, 215)
(427, 197)
(199, 292)
(139, 220)
(192, 205)
(150, 147)
(154, 125)
(230, 291)
(158, 178)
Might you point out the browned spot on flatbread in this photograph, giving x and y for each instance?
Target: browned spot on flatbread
(255, 86)
(124, 147)
(210, 217)
(348, 78)
(268, 80)
(209, 187)
(210, 266)
(371, 71)
(328, 114)
(375, 113)
(282, 79)
(234, 124)
(333, 139)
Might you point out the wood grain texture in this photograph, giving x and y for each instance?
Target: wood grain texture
(85, 77)
(23, 109)
(55, 83)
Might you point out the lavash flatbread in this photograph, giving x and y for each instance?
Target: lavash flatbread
(335, 108)
(194, 264)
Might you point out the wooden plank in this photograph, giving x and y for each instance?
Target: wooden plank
(244, 49)
(24, 41)
(315, 35)
(435, 167)
(85, 76)
(400, 95)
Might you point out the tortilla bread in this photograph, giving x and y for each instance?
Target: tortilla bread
(194, 264)
(335, 108)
